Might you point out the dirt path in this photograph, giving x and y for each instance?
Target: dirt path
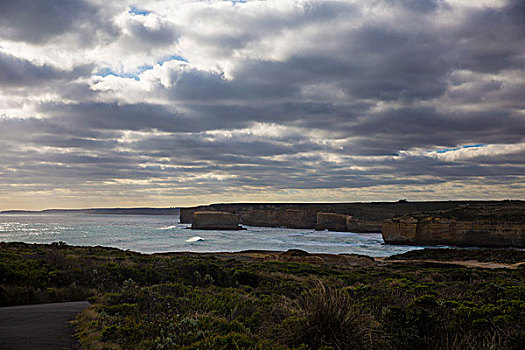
(465, 263)
(41, 326)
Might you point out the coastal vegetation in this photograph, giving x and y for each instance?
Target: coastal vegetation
(229, 301)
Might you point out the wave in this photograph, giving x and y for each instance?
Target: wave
(168, 227)
(194, 239)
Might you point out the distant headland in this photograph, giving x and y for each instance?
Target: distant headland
(106, 211)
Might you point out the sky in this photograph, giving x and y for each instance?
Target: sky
(177, 103)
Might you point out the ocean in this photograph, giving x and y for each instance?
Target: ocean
(164, 233)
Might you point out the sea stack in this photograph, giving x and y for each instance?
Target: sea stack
(215, 220)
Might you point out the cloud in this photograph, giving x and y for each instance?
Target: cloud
(16, 72)
(281, 100)
(39, 21)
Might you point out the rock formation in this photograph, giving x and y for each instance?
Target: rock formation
(352, 224)
(368, 226)
(291, 216)
(332, 222)
(277, 217)
(470, 223)
(446, 231)
(400, 230)
(215, 220)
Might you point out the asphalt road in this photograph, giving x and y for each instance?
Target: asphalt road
(41, 326)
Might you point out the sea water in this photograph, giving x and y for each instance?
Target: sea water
(164, 233)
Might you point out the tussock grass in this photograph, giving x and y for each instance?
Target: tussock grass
(328, 317)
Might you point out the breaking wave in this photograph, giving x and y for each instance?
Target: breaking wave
(168, 227)
(194, 239)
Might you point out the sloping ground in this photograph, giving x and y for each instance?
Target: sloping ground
(41, 326)
(454, 263)
(470, 258)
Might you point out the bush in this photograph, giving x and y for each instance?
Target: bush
(329, 318)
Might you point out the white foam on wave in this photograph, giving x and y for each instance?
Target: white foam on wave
(194, 239)
(168, 227)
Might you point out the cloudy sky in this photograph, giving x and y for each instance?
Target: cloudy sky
(169, 103)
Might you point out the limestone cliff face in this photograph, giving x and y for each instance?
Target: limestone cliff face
(291, 218)
(352, 224)
(269, 216)
(436, 231)
(400, 230)
(467, 218)
(298, 218)
(262, 217)
(302, 217)
(186, 215)
(215, 220)
(331, 222)
(368, 226)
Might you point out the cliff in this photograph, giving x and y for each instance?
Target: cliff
(332, 222)
(467, 223)
(215, 220)
(366, 217)
(445, 231)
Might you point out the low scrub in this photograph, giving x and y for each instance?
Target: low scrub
(190, 301)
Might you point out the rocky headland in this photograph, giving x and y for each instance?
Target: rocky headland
(101, 211)
(366, 217)
(460, 223)
(490, 226)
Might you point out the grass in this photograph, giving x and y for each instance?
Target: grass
(329, 317)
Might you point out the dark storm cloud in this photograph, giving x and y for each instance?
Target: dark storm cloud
(33, 129)
(193, 146)
(420, 6)
(258, 83)
(202, 117)
(493, 39)
(17, 72)
(112, 116)
(164, 34)
(38, 21)
(137, 34)
(390, 64)
(425, 127)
